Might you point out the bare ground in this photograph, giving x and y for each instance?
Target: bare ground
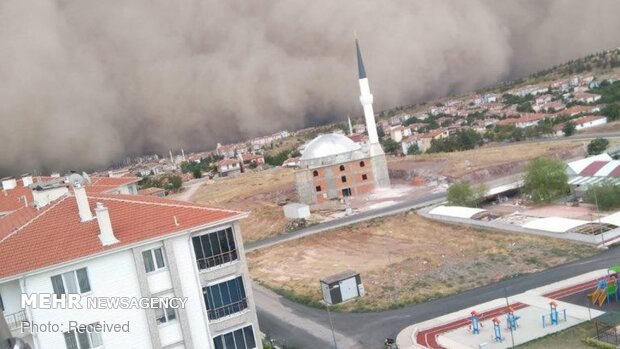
(486, 162)
(257, 192)
(428, 260)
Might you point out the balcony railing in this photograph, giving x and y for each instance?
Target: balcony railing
(228, 309)
(15, 320)
(214, 261)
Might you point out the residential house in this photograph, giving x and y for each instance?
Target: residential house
(183, 263)
(228, 167)
(584, 97)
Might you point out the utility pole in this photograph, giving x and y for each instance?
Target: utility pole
(598, 212)
(508, 305)
(331, 324)
(391, 275)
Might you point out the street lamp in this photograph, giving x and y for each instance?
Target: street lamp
(390, 274)
(331, 325)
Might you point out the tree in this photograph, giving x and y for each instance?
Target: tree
(463, 194)
(606, 196)
(389, 146)
(597, 146)
(569, 129)
(414, 149)
(611, 111)
(525, 108)
(197, 172)
(174, 183)
(545, 180)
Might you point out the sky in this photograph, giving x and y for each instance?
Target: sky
(85, 83)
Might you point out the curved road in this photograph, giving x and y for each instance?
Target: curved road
(297, 325)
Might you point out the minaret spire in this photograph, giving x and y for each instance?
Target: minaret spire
(366, 100)
(360, 62)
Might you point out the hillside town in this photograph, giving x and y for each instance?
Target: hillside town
(461, 214)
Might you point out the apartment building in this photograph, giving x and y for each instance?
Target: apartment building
(112, 246)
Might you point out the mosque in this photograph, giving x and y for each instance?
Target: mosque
(333, 166)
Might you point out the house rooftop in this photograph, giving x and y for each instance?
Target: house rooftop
(18, 197)
(32, 239)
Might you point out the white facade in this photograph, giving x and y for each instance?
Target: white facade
(123, 274)
(591, 123)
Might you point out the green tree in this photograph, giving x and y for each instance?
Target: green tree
(525, 108)
(463, 194)
(389, 146)
(597, 146)
(277, 159)
(174, 183)
(606, 196)
(611, 111)
(569, 129)
(197, 172)
(545, 180)
(414, 149)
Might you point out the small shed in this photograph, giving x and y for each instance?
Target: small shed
(296, 211)
(342, 287)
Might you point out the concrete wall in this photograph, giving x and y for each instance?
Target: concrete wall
(329, 178)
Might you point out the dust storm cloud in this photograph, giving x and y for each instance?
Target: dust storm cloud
(86, 82)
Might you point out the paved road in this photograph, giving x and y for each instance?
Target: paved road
(363, 216)
(297, 325)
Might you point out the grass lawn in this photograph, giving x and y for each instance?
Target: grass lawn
(570, 338)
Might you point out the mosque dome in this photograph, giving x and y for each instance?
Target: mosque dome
(329, 145)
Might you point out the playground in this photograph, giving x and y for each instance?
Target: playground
(503, 323)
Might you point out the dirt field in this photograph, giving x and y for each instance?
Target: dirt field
(428, 260)
(258, 192)
(481, 163)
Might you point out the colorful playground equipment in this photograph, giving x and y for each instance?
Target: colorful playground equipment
(553, 314)
(497, 331)
(605, 290)
(474, 322)
(512, 319)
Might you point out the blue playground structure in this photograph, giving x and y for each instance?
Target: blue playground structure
(512, 319)
(497, 331)
(553, 314)
(475, 323)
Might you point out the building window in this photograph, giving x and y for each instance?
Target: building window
(242, 338)
(364, 177)
(1, 304)
(71, 282)
(154, 259)
(341, 167)
(343, 179)
(225, 298)
(318, 188)
(89, 338)
(215, 248)
(165, 315)
(346, 192)
(315, 173)
(362, 164)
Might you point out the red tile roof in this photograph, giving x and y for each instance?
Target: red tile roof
(151, 191)
(13, 199)
(32, 239)
(593, 168)
(226, 162)
(585, 119)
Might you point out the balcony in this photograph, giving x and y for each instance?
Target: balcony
(228, 309)
(15, 320)
(214, 261)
